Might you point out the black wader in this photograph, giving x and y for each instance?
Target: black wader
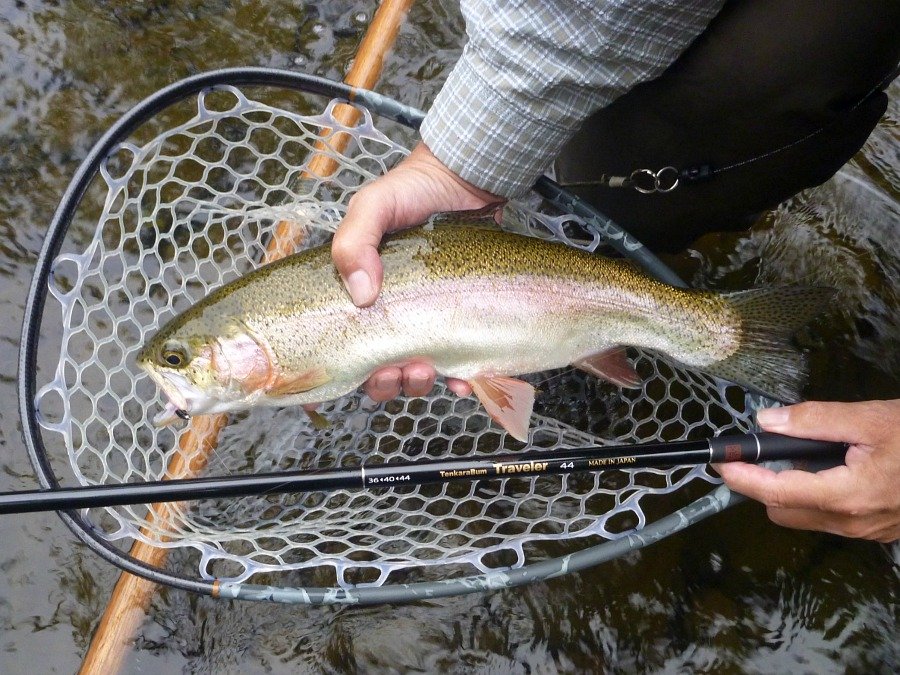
(793, 86)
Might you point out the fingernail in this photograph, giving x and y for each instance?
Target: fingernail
(360, 287)
(772, 417)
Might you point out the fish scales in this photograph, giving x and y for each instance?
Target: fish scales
(302, 313)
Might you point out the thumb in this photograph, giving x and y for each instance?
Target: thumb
(354, 248)
(865, 423)
(407, 194)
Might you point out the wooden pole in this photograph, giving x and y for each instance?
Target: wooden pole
(364, 73)
(127, 607)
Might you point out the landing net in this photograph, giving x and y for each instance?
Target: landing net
(176, 222)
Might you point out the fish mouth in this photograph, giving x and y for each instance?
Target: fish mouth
(170, 415)
(182, 396)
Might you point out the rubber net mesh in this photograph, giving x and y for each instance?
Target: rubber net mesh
(177, 222)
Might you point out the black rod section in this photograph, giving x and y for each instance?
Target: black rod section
(753, 447)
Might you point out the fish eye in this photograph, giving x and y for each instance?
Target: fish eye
(174, 355)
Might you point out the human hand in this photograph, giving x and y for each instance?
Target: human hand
(859, 499)
(405, 196)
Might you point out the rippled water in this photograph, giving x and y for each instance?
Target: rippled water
(733, 593)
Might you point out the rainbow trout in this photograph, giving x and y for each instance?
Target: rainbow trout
(479, 304)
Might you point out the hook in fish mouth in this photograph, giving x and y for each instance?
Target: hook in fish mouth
(183, 414)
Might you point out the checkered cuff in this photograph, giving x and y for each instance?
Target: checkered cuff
(487, 137)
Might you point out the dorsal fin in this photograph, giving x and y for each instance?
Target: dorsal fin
(485, 217)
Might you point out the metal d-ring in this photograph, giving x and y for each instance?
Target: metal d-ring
(648, 182)
(661, 179)
(644, 174)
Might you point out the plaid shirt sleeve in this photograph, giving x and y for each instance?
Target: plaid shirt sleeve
(533, 70)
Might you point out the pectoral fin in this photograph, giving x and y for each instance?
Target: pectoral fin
(285, 385)
(612, 365)
(508, 401)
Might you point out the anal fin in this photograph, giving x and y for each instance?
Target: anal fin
(508, 401)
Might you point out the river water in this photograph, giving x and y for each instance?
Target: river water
(733, 594)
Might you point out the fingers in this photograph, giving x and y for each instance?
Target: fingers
(416, 379)
(873, 522)
(813, 519)
(793, 498)
(857, 423)
(788, 489)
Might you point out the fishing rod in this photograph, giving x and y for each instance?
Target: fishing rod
(751, 447)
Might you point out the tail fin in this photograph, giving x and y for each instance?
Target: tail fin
(766, 361)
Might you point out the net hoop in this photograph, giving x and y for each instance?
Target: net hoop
(716, 501)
